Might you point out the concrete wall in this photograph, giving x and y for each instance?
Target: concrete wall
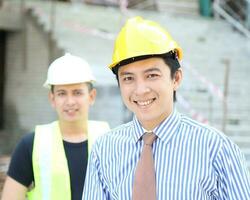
(2, 68)
(27, 59)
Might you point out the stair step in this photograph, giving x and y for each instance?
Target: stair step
(246, 152)
(242, 141)
(248, 164)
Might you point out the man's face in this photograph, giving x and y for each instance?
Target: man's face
(72, 101)
(147, 90)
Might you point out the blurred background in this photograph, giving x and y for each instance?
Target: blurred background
(214, 34)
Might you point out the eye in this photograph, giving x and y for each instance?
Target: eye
(152, 76)
(78, 93)
(127, 78)
(61, 94)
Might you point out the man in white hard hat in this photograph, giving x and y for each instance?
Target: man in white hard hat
(51, 162)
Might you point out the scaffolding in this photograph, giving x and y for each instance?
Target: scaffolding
(236, 13)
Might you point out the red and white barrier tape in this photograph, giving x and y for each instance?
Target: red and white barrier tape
(214, 90)
(193, 113)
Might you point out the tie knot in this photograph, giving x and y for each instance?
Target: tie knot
(149, 138)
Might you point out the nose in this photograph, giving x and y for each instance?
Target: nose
(141, 87)
(70, 100)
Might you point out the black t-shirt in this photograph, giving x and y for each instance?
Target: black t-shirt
(21, 169)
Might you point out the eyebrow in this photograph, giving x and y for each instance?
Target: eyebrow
(59, 90)
(125, 73)
(152, 69)
(145, 71)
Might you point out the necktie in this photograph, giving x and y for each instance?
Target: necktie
(144, 182)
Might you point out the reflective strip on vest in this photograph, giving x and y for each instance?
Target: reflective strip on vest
(50, 166)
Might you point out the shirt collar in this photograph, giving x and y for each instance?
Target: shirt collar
(163, 131)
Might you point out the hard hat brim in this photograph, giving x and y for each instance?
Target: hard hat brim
(48, 85)
(114, 67)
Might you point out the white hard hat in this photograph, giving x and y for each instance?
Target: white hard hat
(68, 69)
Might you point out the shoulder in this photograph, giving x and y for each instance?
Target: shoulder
(108, 145)
(117, 134)
(26, 142)
(20, 167)
(205, 130)
(215, 139)
(94, 122)
(99, 124)
(24, 146)
(119, 131)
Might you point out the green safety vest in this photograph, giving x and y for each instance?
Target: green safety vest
(50, 167)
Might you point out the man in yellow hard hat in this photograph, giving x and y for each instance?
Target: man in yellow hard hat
(51, 163)
(161, 154)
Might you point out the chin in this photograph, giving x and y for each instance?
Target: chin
(149, 118)
(144, 118)
(70, 119)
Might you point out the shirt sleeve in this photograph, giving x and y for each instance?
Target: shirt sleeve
(94, 186)
(232, 173)
(20, 168)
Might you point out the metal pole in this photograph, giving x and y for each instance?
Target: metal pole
(123, 6)
(155, 4)
(216, 3)
(22, 5)
(226, 82)
(51, 29)
(210, 99)
(248, 14)
(231, 20)
(24, 33)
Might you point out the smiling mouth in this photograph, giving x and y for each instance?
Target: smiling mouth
(71, 110)
(145, 103)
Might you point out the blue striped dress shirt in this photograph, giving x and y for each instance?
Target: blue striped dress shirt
(192, 162)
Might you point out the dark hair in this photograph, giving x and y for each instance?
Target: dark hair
(89, 84)
(169, 58)
(174, 65)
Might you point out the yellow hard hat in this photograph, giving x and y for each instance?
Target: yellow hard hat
(141, 37)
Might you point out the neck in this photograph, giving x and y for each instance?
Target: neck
(152, 124)
(74, 131)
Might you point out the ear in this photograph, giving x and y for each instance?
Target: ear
(92, 96)
(51, 98)
(177, 79)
